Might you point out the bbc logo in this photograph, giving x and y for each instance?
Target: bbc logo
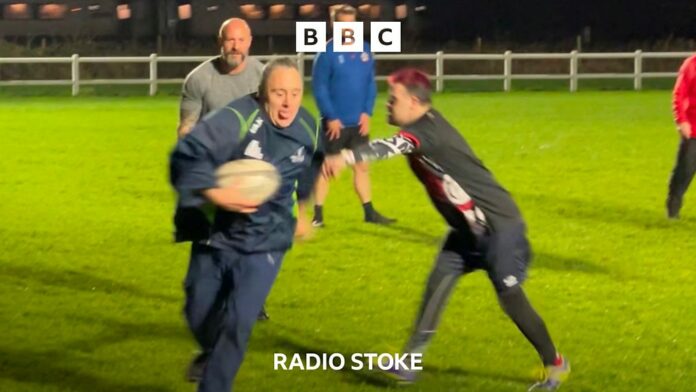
(310, 37)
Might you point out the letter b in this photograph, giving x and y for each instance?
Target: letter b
(348, 37)
(310, 37)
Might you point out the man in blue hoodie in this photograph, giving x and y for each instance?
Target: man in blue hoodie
(344, 87)
(234, 260)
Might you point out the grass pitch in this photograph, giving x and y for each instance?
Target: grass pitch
(90, 283)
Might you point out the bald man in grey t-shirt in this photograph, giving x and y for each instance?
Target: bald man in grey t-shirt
(222, 79)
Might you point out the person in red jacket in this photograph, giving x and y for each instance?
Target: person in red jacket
(684, 106)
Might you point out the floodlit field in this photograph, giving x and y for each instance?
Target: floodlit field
(90, 282)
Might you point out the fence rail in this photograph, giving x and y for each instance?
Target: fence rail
(439, 58)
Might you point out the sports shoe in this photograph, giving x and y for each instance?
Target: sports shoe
(317, 222)
(263, 316)
(554, 376)
(401, 376)
(673, 206)
(379, 219)
(194, 373)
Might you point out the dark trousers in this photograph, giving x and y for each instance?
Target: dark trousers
(505, 256)
(683, 172)
(225, 291)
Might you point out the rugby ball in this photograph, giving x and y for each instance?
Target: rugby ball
(255, 179)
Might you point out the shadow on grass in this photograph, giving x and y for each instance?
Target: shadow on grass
(78, 280)
(50, 369)
(543, 260)
(63, 367)
(612, 213)
(554, 262)
(117, 331)
(400, 233)
(457, 371)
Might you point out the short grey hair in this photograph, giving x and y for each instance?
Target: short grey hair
(286, 62)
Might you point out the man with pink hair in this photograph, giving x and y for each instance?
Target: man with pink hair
(487, 231)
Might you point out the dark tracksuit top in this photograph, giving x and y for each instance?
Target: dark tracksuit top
(462, 189)
(242, 130)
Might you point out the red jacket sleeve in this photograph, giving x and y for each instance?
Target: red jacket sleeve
(682, 88)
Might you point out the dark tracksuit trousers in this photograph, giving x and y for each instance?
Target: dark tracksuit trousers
(682, 174)
(505, 256)
(225, 290)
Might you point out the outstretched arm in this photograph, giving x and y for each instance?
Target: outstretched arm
(305, 189)
(377, 149)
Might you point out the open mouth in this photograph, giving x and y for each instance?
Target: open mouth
(283, 114)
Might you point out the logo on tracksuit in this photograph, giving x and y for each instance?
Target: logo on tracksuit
(299, 156)
(256, 125)
(253, 150)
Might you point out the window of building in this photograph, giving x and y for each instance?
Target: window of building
(310, 11)
(280, 11)
(401, 11)
(17, 11)
(252, 11)
(123, 12)
(52, 11)
(369, 11)
(184, 11)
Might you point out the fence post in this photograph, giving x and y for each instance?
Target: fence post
(507, 71)
(75, 74)
(638, 70)
(439, 69)
(300, 65)
(153, 74)
(573, 71)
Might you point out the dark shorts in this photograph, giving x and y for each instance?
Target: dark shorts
(350, 138)
(504, 255)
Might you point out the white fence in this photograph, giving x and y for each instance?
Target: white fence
(439, 58)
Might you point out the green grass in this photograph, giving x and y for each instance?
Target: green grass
(90, 283)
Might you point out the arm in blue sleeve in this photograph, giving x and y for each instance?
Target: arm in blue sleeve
(306, 181)
(321, 77)
(371, 89)
(195, 158)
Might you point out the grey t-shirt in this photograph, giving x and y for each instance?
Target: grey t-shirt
(206, 89)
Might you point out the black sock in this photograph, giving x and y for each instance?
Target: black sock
(318, 213)
(515, 304)
(369, 210)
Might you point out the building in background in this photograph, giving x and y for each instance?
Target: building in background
(72, 19)
(179, 20)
